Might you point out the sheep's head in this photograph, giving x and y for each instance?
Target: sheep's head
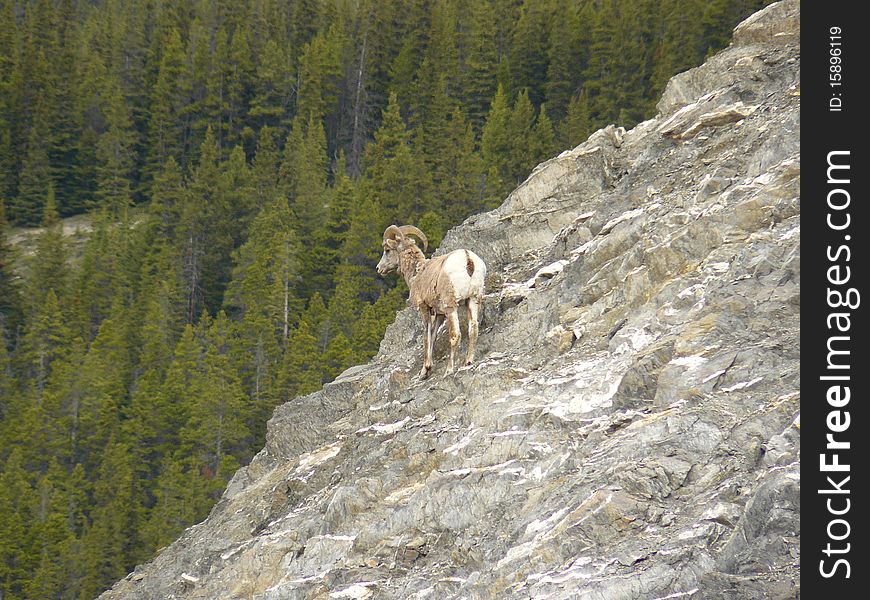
(395, 238)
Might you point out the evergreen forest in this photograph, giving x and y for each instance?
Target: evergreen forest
(231, 166)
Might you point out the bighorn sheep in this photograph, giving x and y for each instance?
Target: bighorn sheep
(438, 287)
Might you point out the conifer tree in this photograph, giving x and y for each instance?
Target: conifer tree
(18, 556)
(151, 422)
(272, 91)
(543, 139)
(216, 427)
(104, 380)
(169, 99)
(396, 179)
(481, 63)
(565, 60)
(528, 54)
(11, 313)
(496, 142)
(301, 366)
(34, 179)
(109, 543)
(53, 537)
(522, 120)
(115, 153)
(575, 128)
(49, 265)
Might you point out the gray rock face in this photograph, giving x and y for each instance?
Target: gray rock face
(630, 430)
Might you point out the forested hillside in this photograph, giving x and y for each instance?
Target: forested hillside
(240, 160)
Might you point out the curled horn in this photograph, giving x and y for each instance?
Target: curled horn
(392, 232)
(411, 230)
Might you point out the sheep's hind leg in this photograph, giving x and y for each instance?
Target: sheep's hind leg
(428, 335)
(455, 337)
(473, 310)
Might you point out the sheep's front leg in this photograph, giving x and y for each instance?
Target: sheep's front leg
(473, 309)
(428, 334)
(455, 337)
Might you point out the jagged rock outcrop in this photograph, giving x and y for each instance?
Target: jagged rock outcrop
(631, 428)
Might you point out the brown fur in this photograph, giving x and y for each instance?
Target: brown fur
(432, 287)
(432, 294)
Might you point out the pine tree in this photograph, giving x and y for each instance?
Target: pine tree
(528, 54)
(272, 87)
(263, 297)
(49, 265)
(522, 120)
(97, 284)
(180, 501)
(306, 167)
(34, 179)
(216, 428)
(54, 539)
(169, 99)
(337, 357)
(565, 60)
(481, 62)
(109, 543)
(301, 367)
(319, 72)
(11, 313)
(104, 380)
(575, 128)
(151, 421)
(167, 200)
(543, 139)
(396, 178)
(496, 143)
(206, 234)
(115, 154)
(264, 170)
(18, 555)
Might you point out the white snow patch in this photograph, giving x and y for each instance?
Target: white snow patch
(516, 552)
(508, 433)
(388, 428)
(742, 384)
(237, 549)
(357, 591)
(693, 362)
(469, 470)
(547, 272)
(626, 216)
(713, 375)
(537, 525)
(189, 578)
(455, 448)
(338, 538)
(718, 267)
(582, 248)
(692, 290)
(316, 457)
(542, 447)
(424, 593)
(691, 592)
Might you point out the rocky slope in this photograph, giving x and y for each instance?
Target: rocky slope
(630, 430)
